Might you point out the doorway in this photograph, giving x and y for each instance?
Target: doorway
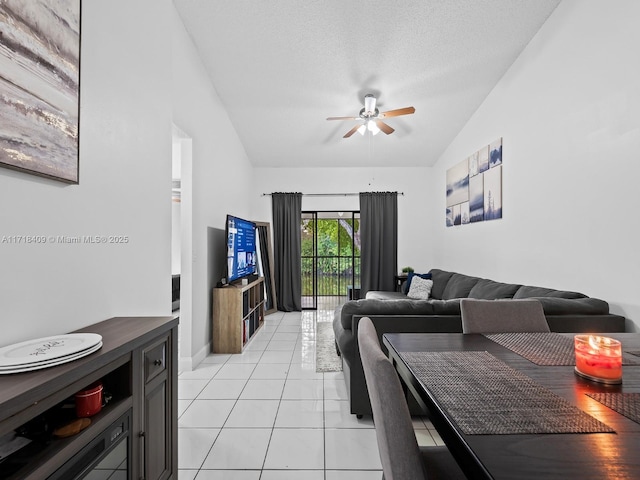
(181, 244)
(330, 258)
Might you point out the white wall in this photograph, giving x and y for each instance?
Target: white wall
(124, 189)
(221, 172)
(569, 114)
(414, 220)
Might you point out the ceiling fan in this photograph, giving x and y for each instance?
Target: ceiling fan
(371, 117)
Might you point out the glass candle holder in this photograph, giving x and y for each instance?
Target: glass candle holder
(598, 358)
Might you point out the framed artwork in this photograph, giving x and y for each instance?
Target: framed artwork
(476, 199)
(493, 193)
(40, 87)
(483, 159)
(457, 219)
(495, 153)
(474, 187)
(458, 183)
(474, 167)
(449, 221)
(464, 213)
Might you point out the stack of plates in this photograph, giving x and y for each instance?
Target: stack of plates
(47, 352)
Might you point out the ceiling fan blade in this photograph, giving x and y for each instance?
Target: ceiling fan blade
(384, 127)
(352, 131)
(397, 112)
(343, 118)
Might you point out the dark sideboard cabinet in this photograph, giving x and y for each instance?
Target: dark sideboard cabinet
(137, 366)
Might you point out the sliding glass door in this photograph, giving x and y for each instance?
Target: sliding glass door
(330, 258)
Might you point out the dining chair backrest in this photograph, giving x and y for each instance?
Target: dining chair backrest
(502, 316)
(399, 452)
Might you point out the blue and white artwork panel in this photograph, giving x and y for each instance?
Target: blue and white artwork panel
(458, 183)
(476, 199)
(495, 153)
(493, 193)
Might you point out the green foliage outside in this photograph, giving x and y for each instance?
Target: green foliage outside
(338, 242)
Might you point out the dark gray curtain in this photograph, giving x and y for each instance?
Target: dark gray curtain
(378, 241)
(287, 209)
(265, 261)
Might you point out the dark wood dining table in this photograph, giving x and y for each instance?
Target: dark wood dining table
(608, 455)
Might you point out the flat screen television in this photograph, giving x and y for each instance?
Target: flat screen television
(241, 248)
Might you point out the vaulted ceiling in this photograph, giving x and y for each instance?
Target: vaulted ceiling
(282, 67)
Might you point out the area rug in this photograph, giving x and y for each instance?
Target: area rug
(327, 360)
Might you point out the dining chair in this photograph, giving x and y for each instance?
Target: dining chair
(400, 455)
(502, 316)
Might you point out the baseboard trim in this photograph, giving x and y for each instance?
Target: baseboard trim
(187, 364)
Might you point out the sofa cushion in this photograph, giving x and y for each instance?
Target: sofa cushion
(440, 279)
(489, 290)
(576, 306)
(526, 291)
(459, 286)
(420, 288)
(446, 307)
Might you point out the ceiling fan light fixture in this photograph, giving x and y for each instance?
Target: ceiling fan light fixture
(372, 127)
(371, 118)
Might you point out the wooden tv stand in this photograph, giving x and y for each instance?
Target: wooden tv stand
(238, 313)
(137, 365)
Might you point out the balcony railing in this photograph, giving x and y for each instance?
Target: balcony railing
(333, 275)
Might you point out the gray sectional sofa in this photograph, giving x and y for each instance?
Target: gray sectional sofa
(394, 312)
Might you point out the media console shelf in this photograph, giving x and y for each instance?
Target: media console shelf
(137, 366)
(238, 313)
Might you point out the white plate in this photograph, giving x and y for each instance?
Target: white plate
(48, 348)
(55, 360)
(51, 363)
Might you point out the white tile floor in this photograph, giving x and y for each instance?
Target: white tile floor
(266, 414)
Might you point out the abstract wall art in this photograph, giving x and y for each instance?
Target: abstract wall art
(458, 183)
(40, 87)
(474, 187)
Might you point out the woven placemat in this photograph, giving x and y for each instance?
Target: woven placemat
(541, 348)
(627, 404)
(545, 348)
(483, 395)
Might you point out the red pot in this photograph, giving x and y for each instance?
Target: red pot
(89, 401)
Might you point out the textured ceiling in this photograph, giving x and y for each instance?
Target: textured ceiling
(281, 67)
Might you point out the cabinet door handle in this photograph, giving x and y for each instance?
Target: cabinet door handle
(157, 362)
(142, 456)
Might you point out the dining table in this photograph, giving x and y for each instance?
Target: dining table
(511, 406)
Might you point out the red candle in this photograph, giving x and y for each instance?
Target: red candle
(598, 358)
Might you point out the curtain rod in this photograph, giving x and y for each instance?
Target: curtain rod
(329, 194)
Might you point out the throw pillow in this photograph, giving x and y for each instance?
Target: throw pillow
(407, 284)
(420, 288)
